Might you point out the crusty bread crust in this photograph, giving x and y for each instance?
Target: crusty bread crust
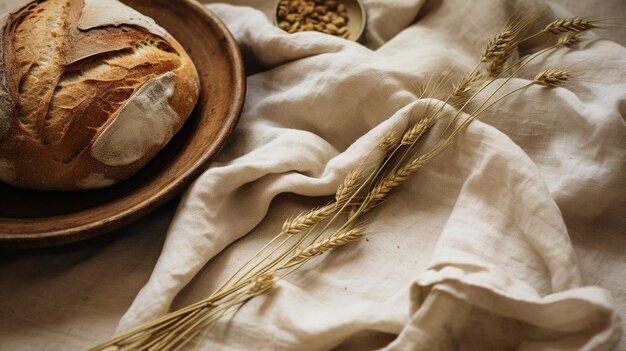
(86, 108)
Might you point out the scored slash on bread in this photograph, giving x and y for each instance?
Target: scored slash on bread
(87, 96)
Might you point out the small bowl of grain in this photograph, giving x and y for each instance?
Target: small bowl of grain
(341, 18)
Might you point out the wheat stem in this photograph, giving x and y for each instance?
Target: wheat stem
(155, 340)
(275, 262)
(396, 178)
(181, 324)
(302, 222)
(251, 270)
(242, 267)
(157, 323)
(204, 335)
(479, 112)
(180, 334)
(521, 63)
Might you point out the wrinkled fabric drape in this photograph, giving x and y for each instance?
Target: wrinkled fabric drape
(511, 239)
(482, 257)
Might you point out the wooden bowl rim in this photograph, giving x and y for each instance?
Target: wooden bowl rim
(45, 238)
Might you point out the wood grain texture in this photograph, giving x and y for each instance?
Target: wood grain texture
(33, 218)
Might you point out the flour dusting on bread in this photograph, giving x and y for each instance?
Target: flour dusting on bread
(99, 13)
(95, 181)
(146, 121)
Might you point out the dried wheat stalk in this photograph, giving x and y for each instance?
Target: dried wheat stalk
(339, 223)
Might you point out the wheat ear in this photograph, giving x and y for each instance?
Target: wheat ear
(416, 131)
(552, 77)
(501, 48)
(571, 25)
(568, 40)
(349, 186)
(262, 283)
(393, 180)
(389, 142)
(463, 90)
(306, 219)
(499, 45)
(332, 242)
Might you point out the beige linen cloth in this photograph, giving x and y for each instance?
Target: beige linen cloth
(512, 239)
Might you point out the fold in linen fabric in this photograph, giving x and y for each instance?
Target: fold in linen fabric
(474, 252)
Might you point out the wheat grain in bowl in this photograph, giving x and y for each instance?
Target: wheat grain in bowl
(90, 91)
(341, 18)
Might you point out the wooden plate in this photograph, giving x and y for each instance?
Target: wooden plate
(31, 218)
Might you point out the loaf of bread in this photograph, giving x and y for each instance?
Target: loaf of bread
(90, 91)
